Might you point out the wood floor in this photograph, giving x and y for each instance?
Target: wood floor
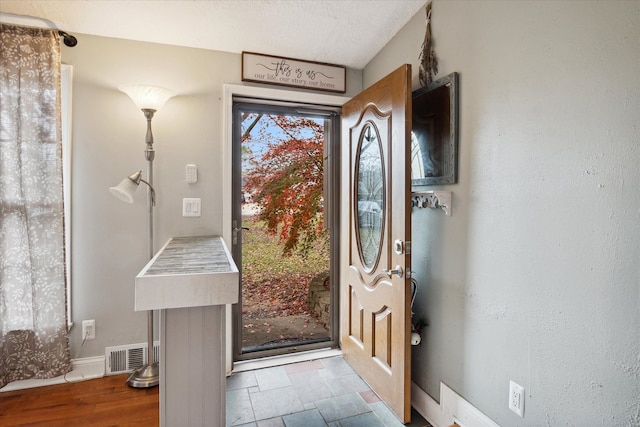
(107, 401)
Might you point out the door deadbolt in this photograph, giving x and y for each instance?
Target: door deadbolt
(398, 247)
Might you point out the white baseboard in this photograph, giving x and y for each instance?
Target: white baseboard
(452, 409)
(82, 369)
(460, 411)
(426, 406)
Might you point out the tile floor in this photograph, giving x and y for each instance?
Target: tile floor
(323, 392)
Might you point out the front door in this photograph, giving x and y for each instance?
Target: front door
(375, 287)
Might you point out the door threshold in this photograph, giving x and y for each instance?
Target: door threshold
(286, 359)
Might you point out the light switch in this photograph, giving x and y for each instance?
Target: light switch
(191, 207)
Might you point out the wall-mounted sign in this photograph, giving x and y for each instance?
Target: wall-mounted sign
(277, 70)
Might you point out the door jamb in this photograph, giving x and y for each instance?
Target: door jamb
(229, 91)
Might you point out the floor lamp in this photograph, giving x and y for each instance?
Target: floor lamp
(149, 99)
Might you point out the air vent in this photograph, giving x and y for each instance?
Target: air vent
(135, 357)
(125, 358)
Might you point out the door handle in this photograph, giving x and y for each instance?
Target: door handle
(235, 230)
(397, 271)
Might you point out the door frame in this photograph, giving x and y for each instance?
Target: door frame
(229, 91)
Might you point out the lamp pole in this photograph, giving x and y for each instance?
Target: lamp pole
(149, 155)
(149, 99)
(149, 375)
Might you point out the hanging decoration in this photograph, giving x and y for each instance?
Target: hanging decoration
(428, 61)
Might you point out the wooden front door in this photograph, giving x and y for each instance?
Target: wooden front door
(375, 296)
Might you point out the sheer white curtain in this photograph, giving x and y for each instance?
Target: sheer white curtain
(33, 328)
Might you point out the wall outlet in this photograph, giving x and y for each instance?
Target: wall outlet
(516, 398)
(89, 329)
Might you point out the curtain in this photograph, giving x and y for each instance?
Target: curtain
(34, 341)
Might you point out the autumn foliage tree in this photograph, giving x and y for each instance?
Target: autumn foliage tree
(285, 178)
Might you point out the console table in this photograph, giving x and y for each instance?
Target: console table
(190, 280)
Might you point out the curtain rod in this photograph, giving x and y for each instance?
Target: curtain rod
(15, 19)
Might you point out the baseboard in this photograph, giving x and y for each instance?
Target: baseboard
(458, 410)
(452, 409)
(426, 406)
(86, 368)
(82, 369)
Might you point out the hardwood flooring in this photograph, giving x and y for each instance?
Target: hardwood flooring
(107, 401)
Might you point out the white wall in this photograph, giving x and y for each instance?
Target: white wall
(535, 278)
(109, 237)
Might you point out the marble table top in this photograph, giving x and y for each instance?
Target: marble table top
(190, 271)
(188, 255)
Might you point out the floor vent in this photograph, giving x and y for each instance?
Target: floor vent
(125, 358)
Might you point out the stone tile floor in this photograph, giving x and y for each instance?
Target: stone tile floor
(323, 392)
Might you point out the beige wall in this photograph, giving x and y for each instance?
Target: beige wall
(109, 237)
(535, 277)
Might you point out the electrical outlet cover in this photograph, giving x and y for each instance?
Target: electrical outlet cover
(191, 206)
(89, 329)
(516, 398)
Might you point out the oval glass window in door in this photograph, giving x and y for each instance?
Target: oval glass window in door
(370, 196)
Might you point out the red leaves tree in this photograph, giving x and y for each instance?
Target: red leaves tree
(285, 179)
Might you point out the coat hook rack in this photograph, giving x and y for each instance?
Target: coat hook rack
(433, 200)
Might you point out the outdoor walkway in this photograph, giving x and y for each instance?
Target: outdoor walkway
(324, 392)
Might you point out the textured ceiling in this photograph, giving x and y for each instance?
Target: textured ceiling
(344, 32)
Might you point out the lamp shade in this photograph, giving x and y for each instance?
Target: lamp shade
(124, 191)
(147, 97)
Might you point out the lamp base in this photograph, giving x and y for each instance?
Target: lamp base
(145, 377)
